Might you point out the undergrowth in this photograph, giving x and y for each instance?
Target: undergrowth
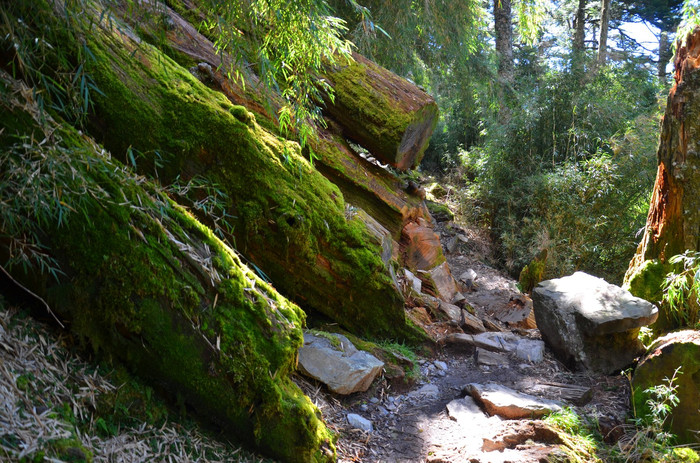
(58, 407)
(645, 439)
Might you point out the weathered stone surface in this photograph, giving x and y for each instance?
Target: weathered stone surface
(509, 404)
(441, 282)
(490, 358)
(589, 323)
(413, 280)
(526, 349)
(465, 410)
(467, 278)
(359, 422)
(518, 433)
(675, 350)
(332, 359)
(386, 114)
(429, 391)
(422, 246)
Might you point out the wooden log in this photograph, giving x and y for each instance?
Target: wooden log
(145, 284)
(389, 116)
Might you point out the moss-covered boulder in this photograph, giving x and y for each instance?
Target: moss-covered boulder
(285, 216)
(144, 283)
(679, 351)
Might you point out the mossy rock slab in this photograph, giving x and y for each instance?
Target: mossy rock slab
(384, 113)
(285, 216)
(675, 351)
(144, 283)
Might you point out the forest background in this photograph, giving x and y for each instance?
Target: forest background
(549, 115)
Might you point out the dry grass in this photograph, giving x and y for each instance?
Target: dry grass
(48, 408)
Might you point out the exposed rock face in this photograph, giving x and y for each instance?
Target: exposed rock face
(509, 404)
(589, 323)
(526, 349)
(676, 350)
(422, 246)
(389, 116)
(334, 360)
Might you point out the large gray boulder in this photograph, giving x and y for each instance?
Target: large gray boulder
(332, 359)
(589, 323)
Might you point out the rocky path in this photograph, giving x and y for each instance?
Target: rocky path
(435, 420)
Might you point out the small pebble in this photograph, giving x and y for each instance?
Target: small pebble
(364, 407)
(440, 364)
(374, 400)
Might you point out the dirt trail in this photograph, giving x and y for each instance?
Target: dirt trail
(412, 424)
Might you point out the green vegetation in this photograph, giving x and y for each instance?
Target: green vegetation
(682, 290)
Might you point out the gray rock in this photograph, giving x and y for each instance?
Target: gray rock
(465, 411)
(468, 277)
(510, 404)
(531, 350)
(589, 323)
(413, 280)
(333, 360)
(358, 422)
(440, 364)
(451, 245)
(488, 358)
(430, 391)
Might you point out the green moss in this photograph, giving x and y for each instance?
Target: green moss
(440, 211)
(646, 281)
(684, 454)
(380, 121)
(147, 285)
(286, 217)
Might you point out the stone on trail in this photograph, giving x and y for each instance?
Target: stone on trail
(429, 391)
(488, 358)
(531, 350)
(666, 354)
(509, 404)
(589, 323)
(413, 280)
(359, 422)
(466, 411)
(467, 278)
(332, 359)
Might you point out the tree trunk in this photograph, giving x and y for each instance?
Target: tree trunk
(603, 39)
(285, 216)
(664, 56)
(389, 116)
(503, 25)
(673, 223)
(579, 44)
(144, 283)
